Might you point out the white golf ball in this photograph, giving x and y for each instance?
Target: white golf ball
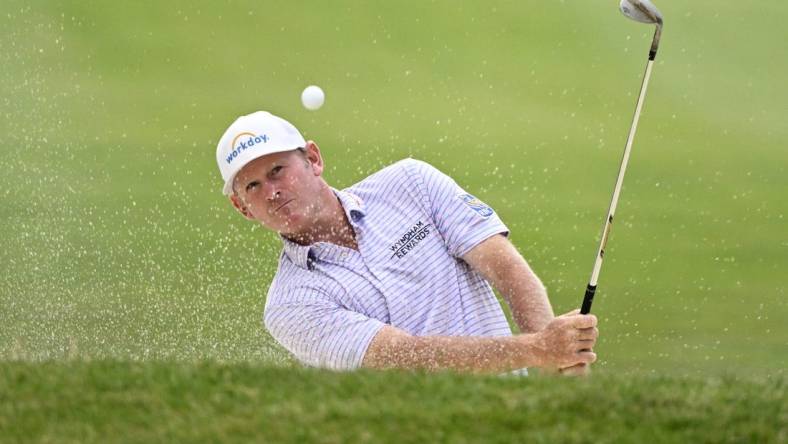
(313, 97)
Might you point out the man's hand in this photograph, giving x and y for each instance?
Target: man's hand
(567, 342)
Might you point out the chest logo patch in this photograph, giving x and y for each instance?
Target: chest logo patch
(476, 205)
(417, 233)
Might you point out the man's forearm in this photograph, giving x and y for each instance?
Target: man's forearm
(501, 264)
(461, 354)
(527, 298)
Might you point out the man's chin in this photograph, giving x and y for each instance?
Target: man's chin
(290, 232)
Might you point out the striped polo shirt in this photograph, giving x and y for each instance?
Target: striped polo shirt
(413, 224)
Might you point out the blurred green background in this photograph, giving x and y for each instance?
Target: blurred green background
(117, 242)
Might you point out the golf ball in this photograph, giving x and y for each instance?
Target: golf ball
(313, 97)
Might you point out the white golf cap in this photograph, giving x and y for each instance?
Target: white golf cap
(252, 136)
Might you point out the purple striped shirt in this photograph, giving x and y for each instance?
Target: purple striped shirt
(413, 224)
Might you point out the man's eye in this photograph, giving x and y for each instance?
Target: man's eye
(252, 186)
(276, 169)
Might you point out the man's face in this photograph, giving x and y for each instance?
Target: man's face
(281, 190)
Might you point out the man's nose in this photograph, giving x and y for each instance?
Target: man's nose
(272, 194)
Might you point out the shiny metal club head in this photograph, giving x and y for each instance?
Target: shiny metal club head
(644, 11)
(641, 11)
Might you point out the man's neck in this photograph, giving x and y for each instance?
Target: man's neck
(332, 226)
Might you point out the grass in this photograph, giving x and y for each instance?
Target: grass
(118, 245)
(120, 259)
(208, 402)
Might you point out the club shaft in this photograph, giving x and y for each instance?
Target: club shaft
(591, 288)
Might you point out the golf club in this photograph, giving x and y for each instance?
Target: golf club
(645, 12)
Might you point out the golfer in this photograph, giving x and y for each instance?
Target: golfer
(394, 271)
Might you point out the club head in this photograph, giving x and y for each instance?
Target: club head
(642, 11)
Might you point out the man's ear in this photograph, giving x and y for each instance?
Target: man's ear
(236, 201)
(314, 157)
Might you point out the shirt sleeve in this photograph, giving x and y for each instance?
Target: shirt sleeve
(319, 332)
(463, 220)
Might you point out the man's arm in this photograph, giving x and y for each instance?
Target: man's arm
(564, 342)
(498, 261)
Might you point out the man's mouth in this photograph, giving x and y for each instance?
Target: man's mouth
(283, 205)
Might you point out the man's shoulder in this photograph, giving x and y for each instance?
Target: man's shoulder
(293, 282)
(405, 170)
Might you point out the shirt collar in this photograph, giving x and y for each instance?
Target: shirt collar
(352, 204)
(299, 254)
(303, 255)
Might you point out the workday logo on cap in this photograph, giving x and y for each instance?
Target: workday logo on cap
(250, 137)
(244, 144)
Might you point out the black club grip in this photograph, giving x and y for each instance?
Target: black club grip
(588, 299)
